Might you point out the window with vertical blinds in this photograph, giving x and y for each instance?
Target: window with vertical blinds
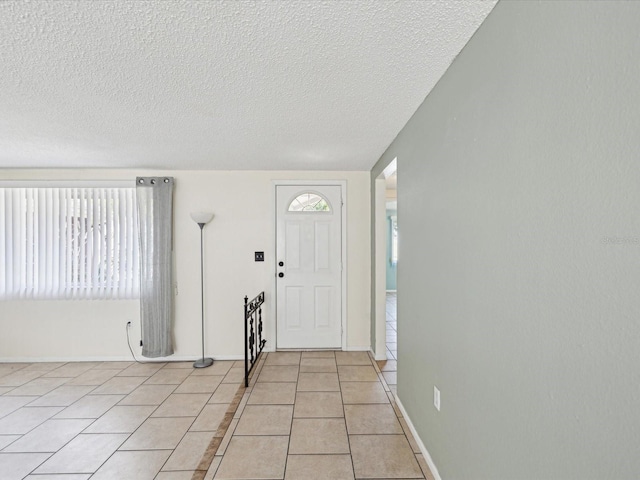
(59, 243)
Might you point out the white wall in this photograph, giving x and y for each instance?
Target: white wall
(242, 202)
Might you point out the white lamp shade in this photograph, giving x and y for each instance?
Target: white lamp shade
(201, 217)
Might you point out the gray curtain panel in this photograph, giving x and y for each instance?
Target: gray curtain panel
(155, 232)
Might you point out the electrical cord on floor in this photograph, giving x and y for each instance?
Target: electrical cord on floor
(133, 354)
(129, 343)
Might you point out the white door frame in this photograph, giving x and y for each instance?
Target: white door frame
(343, 257)
(380, 258)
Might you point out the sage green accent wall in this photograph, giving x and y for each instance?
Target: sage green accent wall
(520, 278)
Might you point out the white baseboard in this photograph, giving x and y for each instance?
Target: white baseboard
(381, 357)
(392, 291)
(348, 349)
(423, 449)
(358, 349)
(127, 358)
(172, 358)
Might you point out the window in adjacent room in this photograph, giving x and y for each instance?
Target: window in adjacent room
(394, 239)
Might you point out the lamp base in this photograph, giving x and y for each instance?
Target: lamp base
(203, 362)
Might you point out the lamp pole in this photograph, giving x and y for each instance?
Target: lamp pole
(201, 219)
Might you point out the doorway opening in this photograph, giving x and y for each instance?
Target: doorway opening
(386, 262)
(391, 265)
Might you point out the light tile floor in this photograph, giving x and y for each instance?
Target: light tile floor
(323, 415)
(318, 415)
(112, 420)
(389, 367)
(392, 325)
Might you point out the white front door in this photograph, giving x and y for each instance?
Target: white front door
(309, 266)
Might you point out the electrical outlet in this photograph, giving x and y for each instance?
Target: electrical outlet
(436, 398)
(259, 256)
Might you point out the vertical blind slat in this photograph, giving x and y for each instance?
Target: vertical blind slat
(108, 242)
(55, 242)
(134, 279)
(116, 245)
(95, 246)
(101, 274)
(49, 239)
(68, 246)
(20, 272)
(3, 242)
(110, 270)
(26, 232)
(121, 225)
(43, 254)
(10, 243)
(82, 245)
(68, 226)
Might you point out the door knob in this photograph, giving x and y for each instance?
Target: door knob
(281, 274)
(281, 264)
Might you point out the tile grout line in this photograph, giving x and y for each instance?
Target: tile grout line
(344, 413)
(191, 425)
(399, 415)
(295, 396)
(214, 444)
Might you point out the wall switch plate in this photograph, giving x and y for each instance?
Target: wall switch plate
(259, 256)
(436, 398)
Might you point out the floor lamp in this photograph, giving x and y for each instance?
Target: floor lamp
(202, 218)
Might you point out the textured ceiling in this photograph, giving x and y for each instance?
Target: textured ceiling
(223, 85)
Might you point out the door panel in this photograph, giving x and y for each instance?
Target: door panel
(309, 292)
(292, 308)
(323, 307)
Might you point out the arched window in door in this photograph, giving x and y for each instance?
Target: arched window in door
(309, 202)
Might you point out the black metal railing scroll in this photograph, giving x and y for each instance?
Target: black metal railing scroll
(253, 341)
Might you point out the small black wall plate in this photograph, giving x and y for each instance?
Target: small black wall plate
(259, 256)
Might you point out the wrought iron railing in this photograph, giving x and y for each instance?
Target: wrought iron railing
(253, 341)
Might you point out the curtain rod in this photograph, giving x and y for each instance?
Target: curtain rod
(68, 183)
